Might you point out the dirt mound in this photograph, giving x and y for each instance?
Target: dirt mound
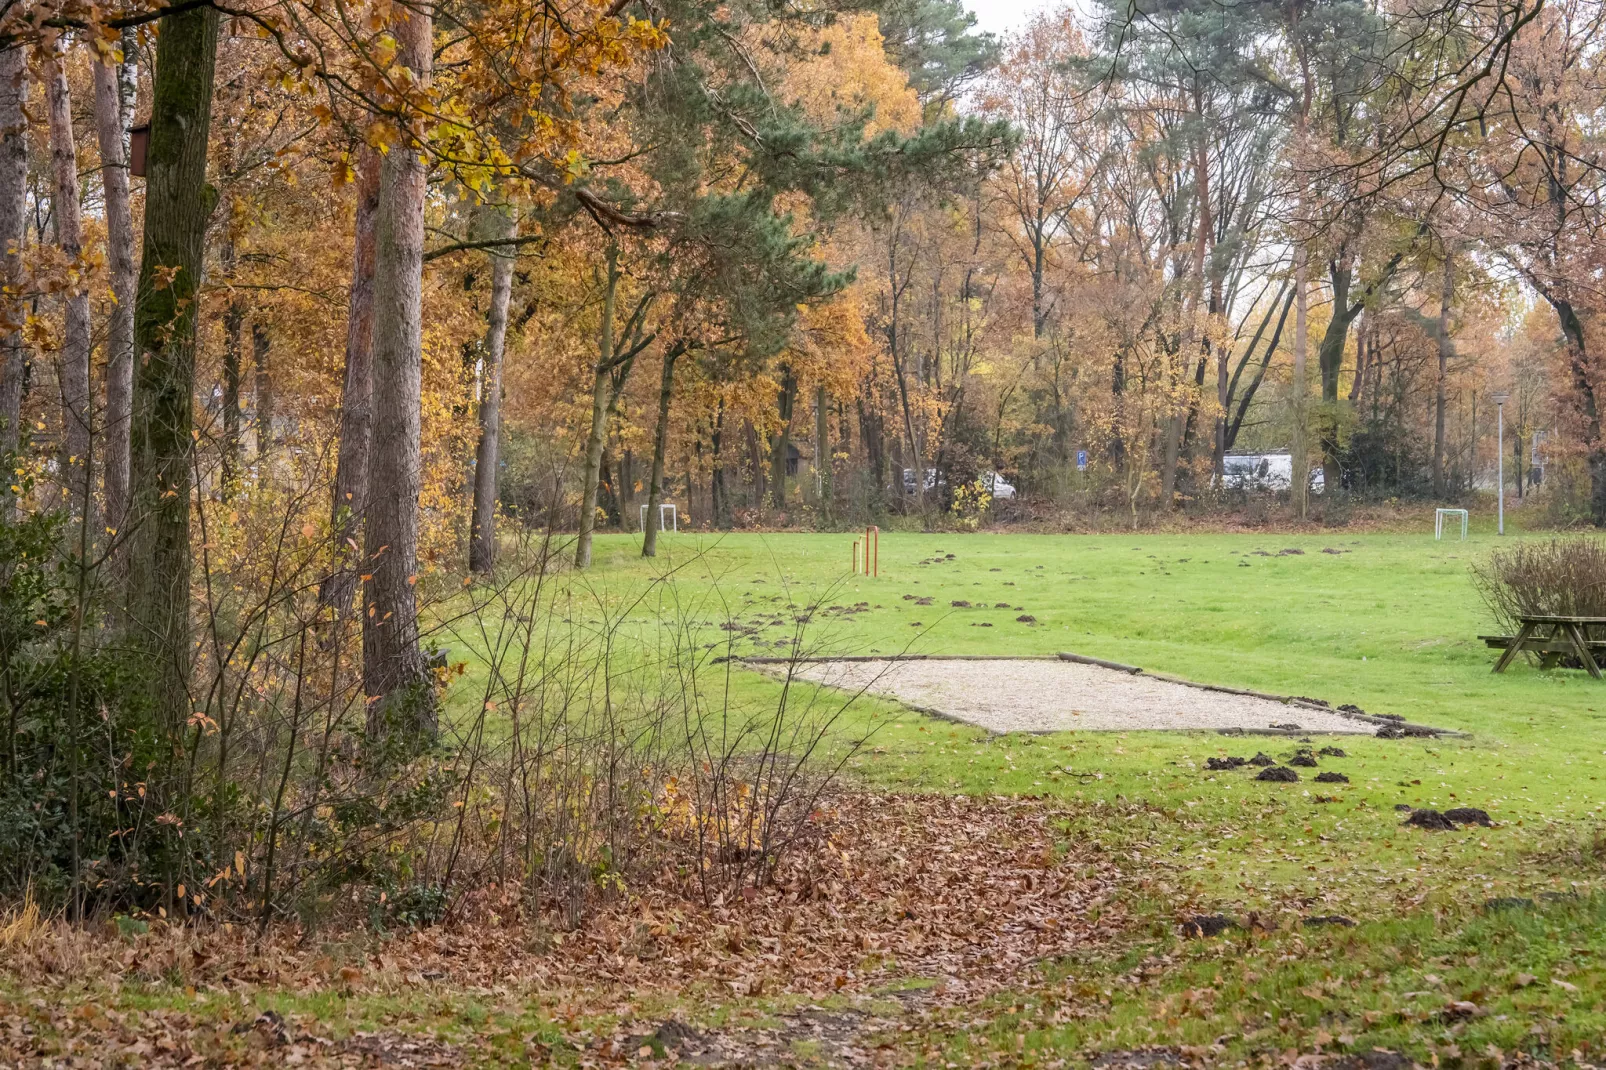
(1207, 925)
(1431, 820)
(1279, 774)
(1331, 777)
(1469, 815)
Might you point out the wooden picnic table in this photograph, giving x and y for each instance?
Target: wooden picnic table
(1552, 637)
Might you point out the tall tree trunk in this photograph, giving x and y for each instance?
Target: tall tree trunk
(501, 223)
(1363, 349)
(1330, 356)
(660, 443)
(782, 442)
(822, 453)
(596, 438)
(608, 487)
(233, 345)
(13, 220)
(1446, 295)
(72, 364)
(394, 673)
(111, 130)
(719, 495)
(1516, 457)
(1579, 364)
(357, 392)
(1301, 384)
(178, 202)
(262, 367)
(625, 491)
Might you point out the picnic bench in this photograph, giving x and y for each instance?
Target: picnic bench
(1553, 638)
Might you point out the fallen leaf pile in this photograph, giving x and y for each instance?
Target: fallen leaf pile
(969, 893)
(965, 891)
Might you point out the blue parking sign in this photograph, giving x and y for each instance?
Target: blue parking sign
(1081, 460)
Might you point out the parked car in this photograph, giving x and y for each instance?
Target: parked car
(930, 480)
(1000, 488)
(1265, 472)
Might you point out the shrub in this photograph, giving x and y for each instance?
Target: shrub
(1564, 576)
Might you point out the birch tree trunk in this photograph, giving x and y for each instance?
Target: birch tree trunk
(357, 395)
(72, 362)
(110, 129)
(487, 458)
(13, 214)
(1446, 295)
(178, 202)
(1301, 386)
(393, 665)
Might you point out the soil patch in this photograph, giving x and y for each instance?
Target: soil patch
(1431, 820)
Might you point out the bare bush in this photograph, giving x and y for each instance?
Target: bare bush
(587, 736)
(1563, 576)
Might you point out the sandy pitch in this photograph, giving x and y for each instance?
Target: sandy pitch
(1043, 695)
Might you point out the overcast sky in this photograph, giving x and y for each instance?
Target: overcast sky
(1002, 16)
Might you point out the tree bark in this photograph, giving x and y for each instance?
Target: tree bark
(1301, 384)
(13, 216)
(660, 442)
(262, 368)
(233, 345)
(822, 453)
(1330, 357)
(1572, 328)
(178, 202)
(357, 393)
(785, 402)
(1516, 456)
(487, 458)
(602, 393)
(72, 363)
(624, 491)
(1192, 298)
(1446, 295)
(394, 673)
(718, 489)
(111, 131)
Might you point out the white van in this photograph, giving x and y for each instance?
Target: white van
(1265, 472)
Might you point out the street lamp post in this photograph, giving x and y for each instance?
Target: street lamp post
(1500, 458)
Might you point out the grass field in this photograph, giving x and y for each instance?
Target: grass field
(1430, 969)
(1389, 624)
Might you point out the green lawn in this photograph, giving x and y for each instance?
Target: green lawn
(1430, 968)
(1389, 624)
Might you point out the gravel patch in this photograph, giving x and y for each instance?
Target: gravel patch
(1050, 695)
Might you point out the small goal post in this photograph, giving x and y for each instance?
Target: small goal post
(672, 524)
